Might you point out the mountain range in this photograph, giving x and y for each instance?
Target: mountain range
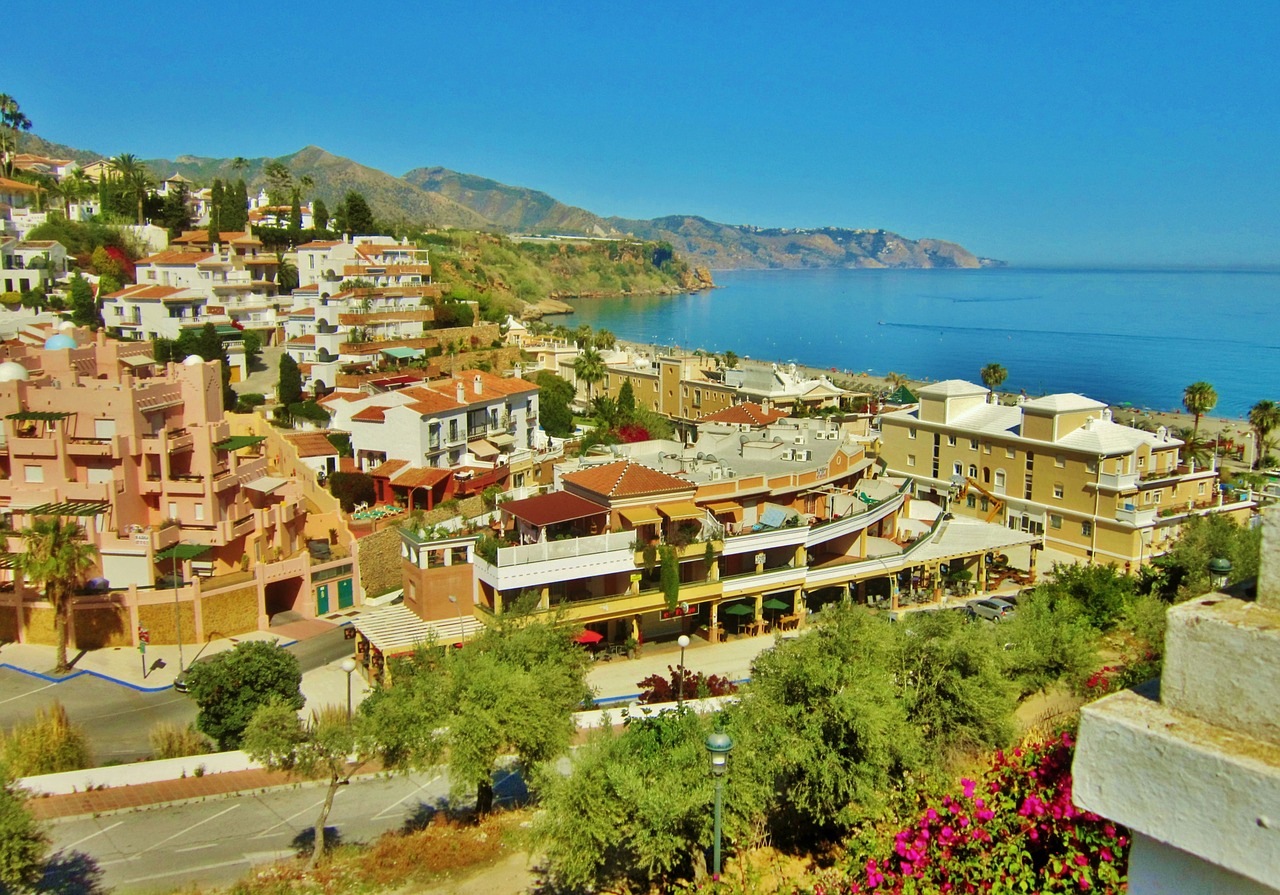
(439, 197)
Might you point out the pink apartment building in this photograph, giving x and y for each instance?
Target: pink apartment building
(142, 456)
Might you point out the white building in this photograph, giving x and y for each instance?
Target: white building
(476, 416)
(31, 265)
(379, 259)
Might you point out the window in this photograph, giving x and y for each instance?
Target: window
(986, 448)
(199, 512)
(911, 460)
(1055, 521)
(1000, 480)
(1009, 452)
(1156, 498)
(971, 501)
(957, 468)
(973, 471)
(1091, 465)
(1142, 462)
(911, 433)
(1086, 528)
(1058, 490)
(973, 444)
(34, 474)
(173, 510)
(1202, 487)
(1059, 461)
(951, 441)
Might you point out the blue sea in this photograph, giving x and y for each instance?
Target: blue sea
(1137, 336)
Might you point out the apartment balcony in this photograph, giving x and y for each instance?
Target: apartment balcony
(1113, 481)
(33, 447)
(180, 439)
(769, 579)
(224, 481)
(696, 550)
(548, 562)
(751, 542)
(185, 485)
(1130, 514)
(89, 447)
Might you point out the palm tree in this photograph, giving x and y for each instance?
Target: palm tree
(589, 367)
(1263, 417)
(993, 376)
(57, 557)
(11, 122)
(286, 275)
(604, 340)
(1194, 448)
(1199, 398)
(134, 177)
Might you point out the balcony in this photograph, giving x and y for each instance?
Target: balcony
(89, 447)
(547, 562)
(1136, 516)
(181, 484)
(696, 550)
(1114, 481)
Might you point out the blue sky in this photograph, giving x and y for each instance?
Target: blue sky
(1040, 133)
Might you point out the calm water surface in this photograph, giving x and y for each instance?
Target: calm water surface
(1137, 336)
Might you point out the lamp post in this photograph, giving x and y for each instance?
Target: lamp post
(177, 610)
(458, 606)
(719, 745)
(684, 642)
(1219, 572)
(348, 665)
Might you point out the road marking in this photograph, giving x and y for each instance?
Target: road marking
(92, 835)
(292, 816)
(188, 829)
(396, 804)
(188, 870)
(179, 851)
(28, 693)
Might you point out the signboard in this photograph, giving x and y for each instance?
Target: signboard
(681, 610)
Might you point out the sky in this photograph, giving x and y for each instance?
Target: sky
(1051, 133)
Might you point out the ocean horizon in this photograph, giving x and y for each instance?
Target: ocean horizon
(1135, 335)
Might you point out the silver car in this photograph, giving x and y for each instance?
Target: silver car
(991, 608)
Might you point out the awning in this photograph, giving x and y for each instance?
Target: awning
(738, 609)
(395, 630)
(725, 508)
(403, 352)
(138, 360)
(44, 416)
(553, 508)
(680, 510)
(7, 560)
(502, 440)
(183, 551)
(226, 329)
(637, 516)
(482, 449)
(266, 484)
(70, 508)
(235, 442)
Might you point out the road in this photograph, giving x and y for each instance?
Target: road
(118, 719)
(215, 842)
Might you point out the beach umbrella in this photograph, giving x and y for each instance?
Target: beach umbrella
(739, 609)
(776, 604)
(589, 636)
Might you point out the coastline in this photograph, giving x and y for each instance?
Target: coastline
(1210, 426)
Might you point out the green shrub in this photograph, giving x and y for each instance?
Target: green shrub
(169, 740)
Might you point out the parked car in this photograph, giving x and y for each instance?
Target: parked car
(180, 683)
(991, 608)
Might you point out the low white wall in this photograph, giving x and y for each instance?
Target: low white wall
(138, 772)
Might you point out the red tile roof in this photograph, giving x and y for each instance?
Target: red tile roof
(748, 414)
(371, 414)
(420, 477)
(388, 468)
(626, 479)
(176, 257)
(312, 444)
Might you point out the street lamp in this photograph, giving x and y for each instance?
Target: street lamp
(719, 745)
(684, 642)
(348, 665)
(1219, 572)
(177, 610)
(458, 606)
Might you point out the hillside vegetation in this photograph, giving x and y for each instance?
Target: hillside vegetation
(504, 275)
(439, 197)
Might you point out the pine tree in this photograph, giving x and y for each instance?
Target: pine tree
(216, 202)
(289, 388)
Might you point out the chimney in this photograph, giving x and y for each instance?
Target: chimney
(475, 384)
(462, 393)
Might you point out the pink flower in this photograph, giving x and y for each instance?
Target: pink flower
(1104, 854)
(1081, 860)
(967, 786)
(1084, 883)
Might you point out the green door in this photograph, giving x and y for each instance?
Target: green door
(346, 596)
(322, 599)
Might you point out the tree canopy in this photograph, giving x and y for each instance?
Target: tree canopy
(230, 686)
(994, 375)
(554, 396)
(57, 558)
(1199, 398)
(23, 842)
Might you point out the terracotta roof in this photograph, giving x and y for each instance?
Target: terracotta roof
(15, 186)
(558, 506)
(176, 257)
(420, 477)
(302, 341)
(490, 386)
(388, 468)
(304, 312)
(626, 479)
(371, 414)
(158, 293)
(312, 444)
(424, 400)
(319, 244)
(748, 414)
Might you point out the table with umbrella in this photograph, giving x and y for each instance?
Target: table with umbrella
(739, 610)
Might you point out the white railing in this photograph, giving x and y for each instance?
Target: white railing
(544, 551)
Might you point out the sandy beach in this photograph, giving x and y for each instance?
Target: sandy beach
(1175, 418)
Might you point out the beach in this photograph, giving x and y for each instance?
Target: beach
(1211, 427)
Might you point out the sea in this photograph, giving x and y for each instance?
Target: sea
(1126, 337)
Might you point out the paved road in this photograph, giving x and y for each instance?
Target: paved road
(118, 719)
(215, 842)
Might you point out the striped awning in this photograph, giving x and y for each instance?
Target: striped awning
(680, 510)
(637, 516)
(725, 508)
(71, 508)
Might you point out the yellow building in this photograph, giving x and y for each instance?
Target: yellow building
(1057, 466)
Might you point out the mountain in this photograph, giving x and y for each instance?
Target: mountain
(438, 197)
(711, 244)
(514, 209)
(36, 145)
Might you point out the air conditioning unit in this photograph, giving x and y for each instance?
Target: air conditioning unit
(716, 473)
(799, 439)
(804, 455)
(786, 455)
(730, 472)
